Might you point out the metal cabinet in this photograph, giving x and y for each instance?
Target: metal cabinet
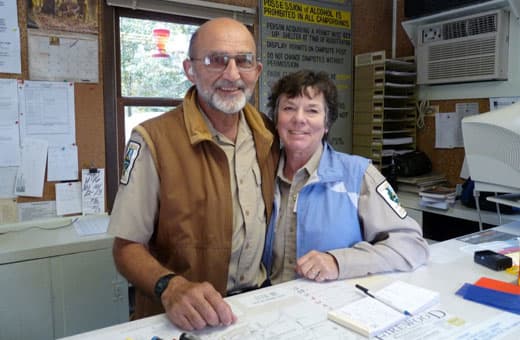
(87, 291)
(55, 284)
(26, 300)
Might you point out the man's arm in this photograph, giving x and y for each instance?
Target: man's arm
(134, 262)
(188, 305)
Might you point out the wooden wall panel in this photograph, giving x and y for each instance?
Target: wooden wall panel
(372, 28)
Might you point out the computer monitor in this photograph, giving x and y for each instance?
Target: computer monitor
(492, 146)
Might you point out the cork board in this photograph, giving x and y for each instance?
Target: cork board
(447, 161)
(90, 130)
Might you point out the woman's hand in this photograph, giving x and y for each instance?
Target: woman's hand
(317, 266)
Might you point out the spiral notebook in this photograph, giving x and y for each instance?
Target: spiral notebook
(369, 316)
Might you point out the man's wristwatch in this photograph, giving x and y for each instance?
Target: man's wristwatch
(161, 284)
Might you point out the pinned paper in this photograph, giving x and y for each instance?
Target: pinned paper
(8, 213)
(93, 191)
(68, 198)
(31, 173)
(62, 163)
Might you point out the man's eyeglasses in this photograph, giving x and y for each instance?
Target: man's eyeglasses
(218, 62)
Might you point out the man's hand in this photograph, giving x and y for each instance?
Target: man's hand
(317, 266)
(191, 305)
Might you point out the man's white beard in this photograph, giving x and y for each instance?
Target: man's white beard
(223, 104)
(228, 106)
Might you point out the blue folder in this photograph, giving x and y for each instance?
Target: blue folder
(490, 297)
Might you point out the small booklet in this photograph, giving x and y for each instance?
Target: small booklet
(369, 316)
(439, 192)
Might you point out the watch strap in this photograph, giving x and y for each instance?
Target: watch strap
(161, 284)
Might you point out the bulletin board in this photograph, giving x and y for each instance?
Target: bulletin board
(446, 161)
(89, 110)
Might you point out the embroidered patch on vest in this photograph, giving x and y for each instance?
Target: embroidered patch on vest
(386, 191)
(132, 150)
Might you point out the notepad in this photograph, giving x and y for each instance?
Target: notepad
(370, 317)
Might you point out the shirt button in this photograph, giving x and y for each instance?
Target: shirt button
(241, 278)
(291, 229)
(294, 197)
(247, 245)
(291, 261)
(247, 212)
(241, 181)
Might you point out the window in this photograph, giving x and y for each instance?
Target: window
(151, 52)
(147, 76)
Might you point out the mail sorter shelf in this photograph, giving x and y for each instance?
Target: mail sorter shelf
(377, 104)
(384, 107)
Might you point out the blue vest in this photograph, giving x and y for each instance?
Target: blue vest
(326, 208)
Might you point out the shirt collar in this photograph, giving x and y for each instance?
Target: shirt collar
(310, 167)
(219, 137)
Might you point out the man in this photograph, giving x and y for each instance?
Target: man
(197, 188)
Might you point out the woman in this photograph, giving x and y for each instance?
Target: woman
(335, 216)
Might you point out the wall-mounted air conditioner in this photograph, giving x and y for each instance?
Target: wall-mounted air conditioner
(463, 49)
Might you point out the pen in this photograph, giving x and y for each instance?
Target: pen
(189, 336)
(386, 302)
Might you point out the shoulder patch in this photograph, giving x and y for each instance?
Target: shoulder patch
(132, 151)
(386, 191)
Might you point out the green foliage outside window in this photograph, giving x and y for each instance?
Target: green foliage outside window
(145, 76)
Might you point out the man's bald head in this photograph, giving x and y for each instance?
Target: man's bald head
(221, 29)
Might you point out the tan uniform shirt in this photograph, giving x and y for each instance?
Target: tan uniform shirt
(249, 222)
(284, 260)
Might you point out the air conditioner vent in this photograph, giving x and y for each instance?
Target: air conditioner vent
(470, 27)
(482, 25)
(471, 48)
(457, 68)
(462, 49)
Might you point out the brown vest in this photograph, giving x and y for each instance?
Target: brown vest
(193, 233)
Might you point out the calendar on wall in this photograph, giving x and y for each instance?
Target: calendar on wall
(63, 56)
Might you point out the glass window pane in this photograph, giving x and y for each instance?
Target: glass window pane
(149, 67)
(137, 114)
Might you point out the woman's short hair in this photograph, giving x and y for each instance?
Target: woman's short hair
(297, 84)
